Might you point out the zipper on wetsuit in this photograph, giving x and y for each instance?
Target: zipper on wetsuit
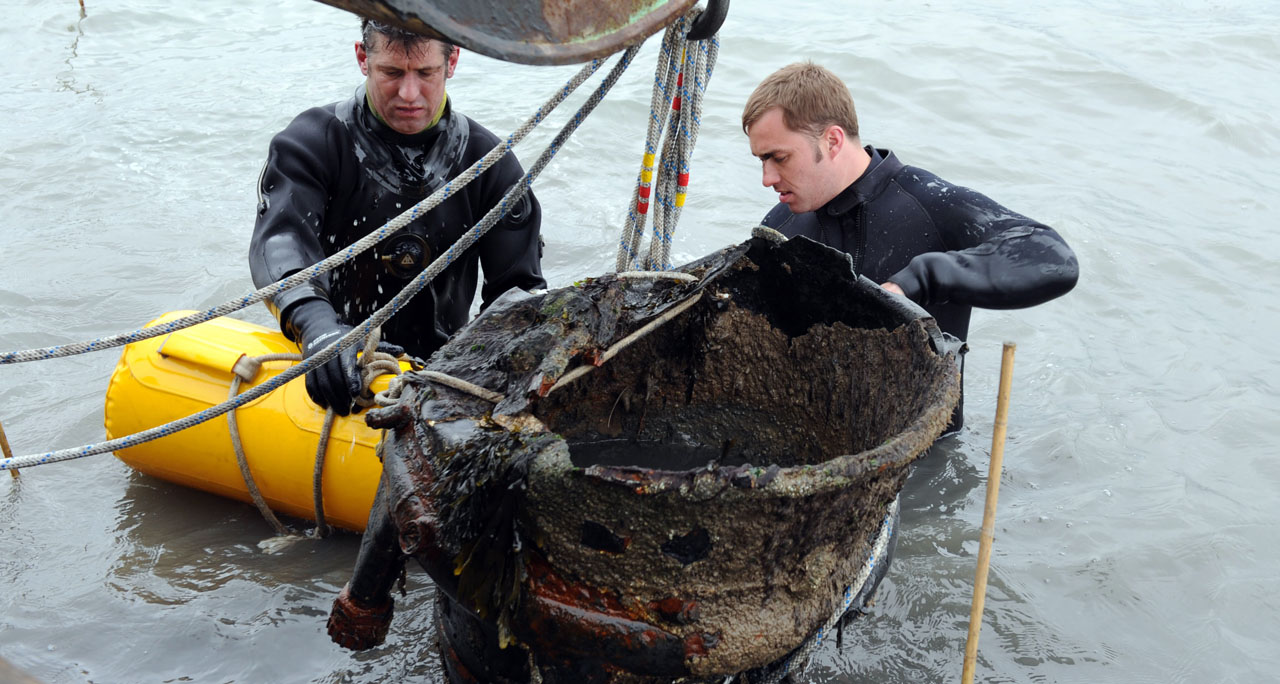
(859, 240)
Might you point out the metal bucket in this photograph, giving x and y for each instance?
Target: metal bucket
(696, 505)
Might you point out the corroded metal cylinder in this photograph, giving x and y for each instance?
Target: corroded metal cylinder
(696, 505)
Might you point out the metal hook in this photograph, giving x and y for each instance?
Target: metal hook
(710, 21)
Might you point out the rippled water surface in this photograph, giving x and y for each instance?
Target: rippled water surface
(1136, 539)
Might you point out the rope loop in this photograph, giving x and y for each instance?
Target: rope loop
(373, 364)
(233, 427)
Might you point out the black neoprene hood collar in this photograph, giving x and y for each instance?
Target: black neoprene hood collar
(884, 165)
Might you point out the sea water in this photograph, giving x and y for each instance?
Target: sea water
(1136, 532)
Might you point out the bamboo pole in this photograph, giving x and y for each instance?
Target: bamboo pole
(11, 674)
(989, 515)
(8, 453)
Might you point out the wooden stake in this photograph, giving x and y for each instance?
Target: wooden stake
(989, 515)
(4, 447)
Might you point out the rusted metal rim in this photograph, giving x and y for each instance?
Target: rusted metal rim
(540, 32)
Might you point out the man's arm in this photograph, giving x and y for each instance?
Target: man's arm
(292, 197)
(293, 193)
(998, 259)
(511, 252)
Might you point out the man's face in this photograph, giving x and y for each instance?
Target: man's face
(406, 87)
(793, 163)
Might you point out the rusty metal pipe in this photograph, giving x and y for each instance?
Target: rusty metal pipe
(379, 561)
(362, 613)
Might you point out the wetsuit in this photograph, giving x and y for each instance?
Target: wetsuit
(949, 248)
(337, 172)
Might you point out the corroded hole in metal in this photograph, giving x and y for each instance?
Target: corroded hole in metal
(676, 610)
(601, 538)
(689, 548)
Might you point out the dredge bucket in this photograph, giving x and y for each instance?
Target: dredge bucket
(696, 503)
(528, 31)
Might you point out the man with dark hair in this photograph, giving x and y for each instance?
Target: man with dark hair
(943, 246)
(340, 171)
(396, 37)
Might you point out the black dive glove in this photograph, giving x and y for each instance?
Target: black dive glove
(335, 384)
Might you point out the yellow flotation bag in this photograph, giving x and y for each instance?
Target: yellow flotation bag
(166, 378)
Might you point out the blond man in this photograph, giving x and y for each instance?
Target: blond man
(944, 246)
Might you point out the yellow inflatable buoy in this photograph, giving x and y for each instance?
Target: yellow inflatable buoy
(168, 377)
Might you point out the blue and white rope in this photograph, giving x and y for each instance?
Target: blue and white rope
(328, 264)
(663, 194)
(699, 62)
(664, 86)
(362, 331)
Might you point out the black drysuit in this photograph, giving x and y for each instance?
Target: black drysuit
(337, 173)
(949, 248)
